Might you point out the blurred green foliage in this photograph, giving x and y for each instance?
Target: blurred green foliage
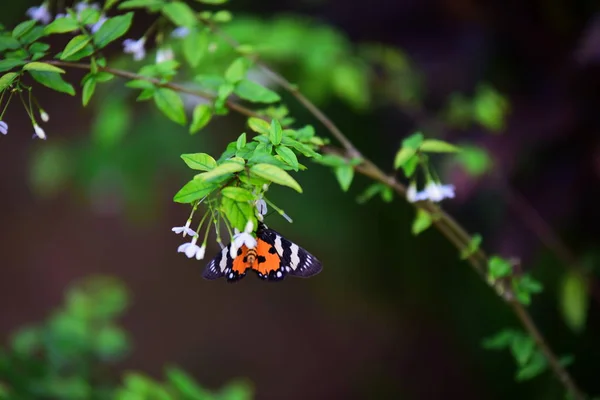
(74, 352)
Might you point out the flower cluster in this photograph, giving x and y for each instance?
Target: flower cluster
(239, 239)
(43, 15)
(434, 191)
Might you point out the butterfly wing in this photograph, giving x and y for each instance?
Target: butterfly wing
(224, 265)
(293, 259)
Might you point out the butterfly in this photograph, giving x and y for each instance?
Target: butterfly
(273, 258)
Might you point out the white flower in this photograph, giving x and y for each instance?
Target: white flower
(437, 192)
(82, 5)
(185, 229)
(60, 15)
(41, 13)
(242, 238)
(200, 252)
(3, 127)
(164, 54)
(39, 132)
(94, 27)
(191, 249)
(44, 116)
(412, 195)
(135, 47)
(261, 207)
(180, 32)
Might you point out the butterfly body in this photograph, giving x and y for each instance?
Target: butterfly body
(273, 258)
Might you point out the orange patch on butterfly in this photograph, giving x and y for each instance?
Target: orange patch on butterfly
(239, 265)
(270, 261)
(264, 262)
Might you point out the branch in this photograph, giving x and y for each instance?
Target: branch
(442, 221)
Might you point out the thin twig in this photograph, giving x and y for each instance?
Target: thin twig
(444, 222)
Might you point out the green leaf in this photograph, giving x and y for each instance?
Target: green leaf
(10, 63)
(371, 191)
(574, 301)
(254, 92)
(169, 102)
(210, 82)
(195, 45)
(490, 108)
(194, 190)
(113, 29)
(241, 141)
(110, 342)
(39, 47)
(53, 80)
(344, 175)
(75, 45)
(26, 341)
(276, 175)
(522, 348)
(475, 160)
(86, 51)
(472, 247)
(238, 212)
(140, 84)
(524, 286)
(150, 4)
(414, 141)
(421, 222)
(223, 170)
(498, 267)
(222, 94)
(259, 125)
(7, 79)
(185, 385)
(200, 118)
(288, 156)
(109, 3)
(305, 133)
(275, 133)
(180, 14)
(103, 76)
(237, 194)
(40, 66)
(402, 156)
(305, 150)
(88, 90)
(246, 151)
(237, 391)
(536, 365)
(88, 16)
(9, 43)
(438, 146)
(501, 340)
(349, 81)
(332, 160)
(410, 166)
(199, 161)
(61, 25)
(23, 28)
(237, 70)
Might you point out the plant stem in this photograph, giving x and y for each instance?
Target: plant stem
(451, 229)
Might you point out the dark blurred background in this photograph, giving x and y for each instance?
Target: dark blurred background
(391, 315)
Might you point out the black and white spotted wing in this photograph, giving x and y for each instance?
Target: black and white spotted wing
(295, 261)
(222, 265)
